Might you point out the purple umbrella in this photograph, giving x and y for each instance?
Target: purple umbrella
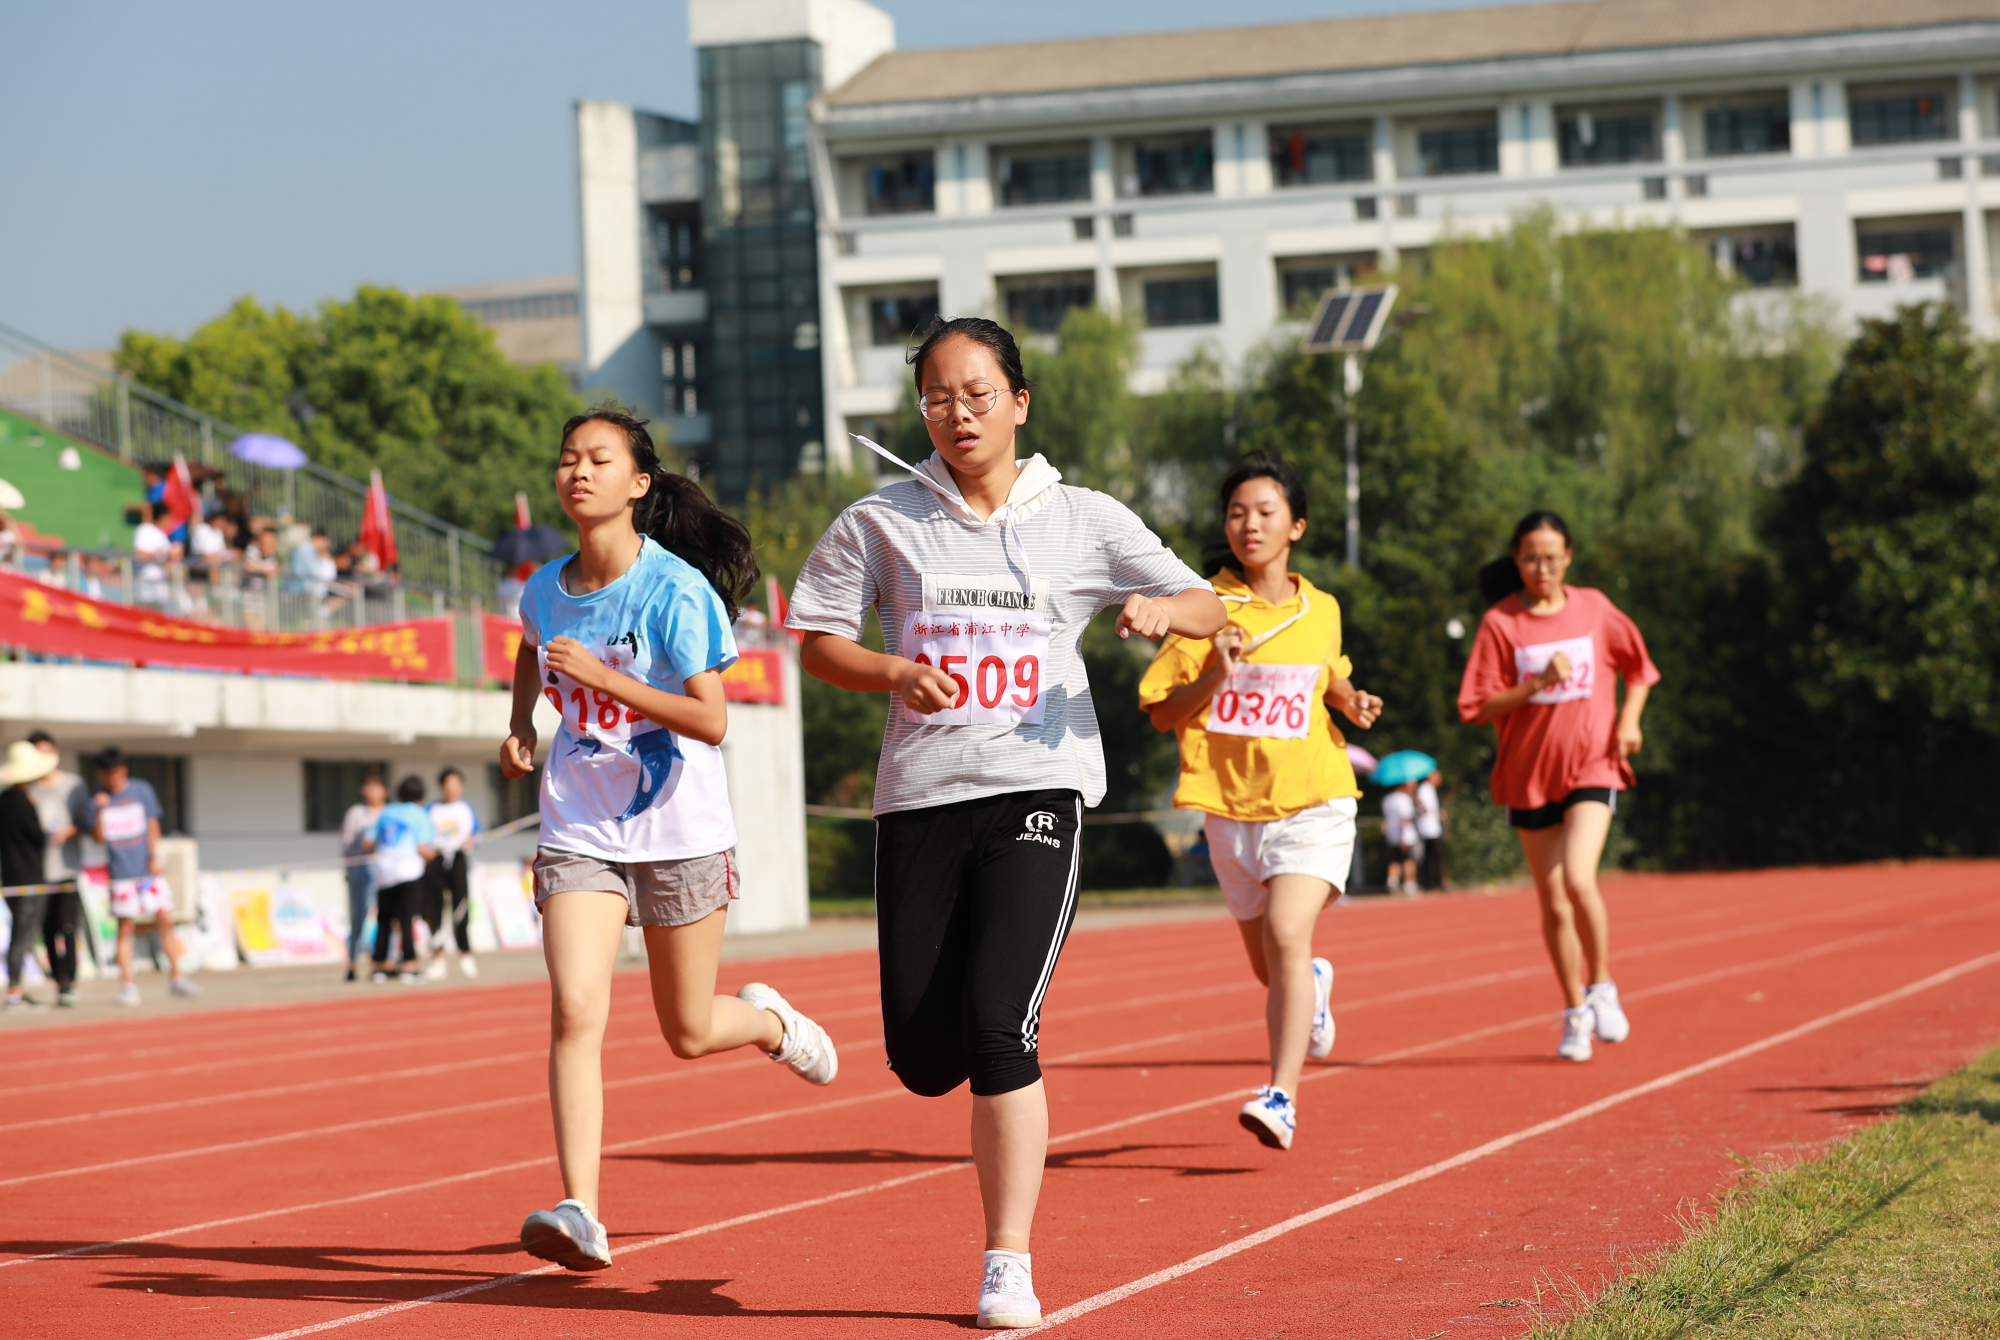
(267, 449)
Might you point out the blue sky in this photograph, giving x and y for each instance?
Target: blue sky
(158, 161)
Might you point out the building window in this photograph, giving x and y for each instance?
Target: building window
(1042, 174)
(532, 307)
(331, 787)
(1311, 155)
(1187, 301)
(1453, 150)
(896, 317)
(1905, 254)
(1761, 259)
(901, 185)
(676, 238)
(1754, 128)
(1171, 165)
(1039, 302)
(1302, 280)
(1899, 118)
(1585, 138)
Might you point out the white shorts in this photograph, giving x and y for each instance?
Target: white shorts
(140, 899)
(1318, 842)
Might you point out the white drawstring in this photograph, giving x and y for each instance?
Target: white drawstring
(1005, 514)
(1305, 608)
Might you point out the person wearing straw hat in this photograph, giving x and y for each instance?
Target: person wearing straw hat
(23, 852)
(63, 802)
(1259, 753)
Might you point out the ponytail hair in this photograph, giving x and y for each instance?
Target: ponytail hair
(1502, 577)
(680, 517)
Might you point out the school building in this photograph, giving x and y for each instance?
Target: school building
(756, 274)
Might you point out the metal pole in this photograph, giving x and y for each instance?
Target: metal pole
(124, 422)
(453, 534)
(1353, 387)
(48, 389)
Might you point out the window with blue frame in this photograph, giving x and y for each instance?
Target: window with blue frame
(901, 185)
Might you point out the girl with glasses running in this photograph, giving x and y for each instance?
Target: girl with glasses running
(1541, 672)
(627, 639)
(1259, 754)
(985, 570)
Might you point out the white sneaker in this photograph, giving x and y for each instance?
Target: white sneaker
(378, 976)
(1007, 1299)
(435, 970)
(1320, 1044)
(128, 993)
(1271, 1117)
(569, 1235)
(1576, 1034)
(468, 966)
(806, 1048)
(182, 986)
(1612, 1025)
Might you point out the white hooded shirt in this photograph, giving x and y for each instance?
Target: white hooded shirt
(1052, 551)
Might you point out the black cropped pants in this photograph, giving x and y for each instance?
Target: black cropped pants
(973, 901)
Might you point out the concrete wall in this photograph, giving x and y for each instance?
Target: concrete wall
(607, 157)
(765, 757)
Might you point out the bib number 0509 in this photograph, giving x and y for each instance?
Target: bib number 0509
(997, 661)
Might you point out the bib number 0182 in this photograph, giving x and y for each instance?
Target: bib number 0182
(997, 662)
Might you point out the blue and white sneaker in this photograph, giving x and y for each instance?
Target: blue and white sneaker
(1270, 1117)
(1319, 1045)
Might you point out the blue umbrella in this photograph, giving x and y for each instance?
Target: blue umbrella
(267, 449)
(1405, 765)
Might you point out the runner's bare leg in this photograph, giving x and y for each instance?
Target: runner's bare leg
(581, 929)
(1289, 919)
(1544, 848)
(1010, 1146)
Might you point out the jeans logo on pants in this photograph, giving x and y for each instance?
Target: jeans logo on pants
(1037, 829)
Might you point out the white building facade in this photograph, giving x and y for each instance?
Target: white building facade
(1211, 184)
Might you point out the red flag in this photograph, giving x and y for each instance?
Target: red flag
(378, 533)
(776, 607)
(521, 521)
(183, 503)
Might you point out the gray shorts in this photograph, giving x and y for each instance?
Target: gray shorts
(657, 893)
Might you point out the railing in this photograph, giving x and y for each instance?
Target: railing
(233, 594)
(139, 424)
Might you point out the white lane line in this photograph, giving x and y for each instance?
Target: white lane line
(661, 1241)
(1505, 1142)
(1122, 1292)
(455, 1178)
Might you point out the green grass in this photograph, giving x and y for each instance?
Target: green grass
(1895, 1232)
(86, 507)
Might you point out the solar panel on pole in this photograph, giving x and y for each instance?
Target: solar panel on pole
(1326, 322)
(1350, 321)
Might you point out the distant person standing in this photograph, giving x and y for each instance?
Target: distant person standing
(1430, 831)
(62, 802)
(1541, 672)
(355, 828)
(23, 851)
(152, 551)
(401, 842)
(1399, 833)
(447, 875)
(127, 822)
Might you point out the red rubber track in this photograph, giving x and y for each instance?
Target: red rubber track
(361, 1166)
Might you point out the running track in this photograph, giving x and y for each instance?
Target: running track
(360, 1167)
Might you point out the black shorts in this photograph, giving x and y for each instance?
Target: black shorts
(973, 901)
(1551, 814)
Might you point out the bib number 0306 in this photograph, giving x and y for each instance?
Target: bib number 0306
(1272, 701)
(997, 661)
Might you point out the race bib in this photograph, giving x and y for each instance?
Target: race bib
(1582, 681)
(592, 714)
(1272, 701)
(997, 660)
(124, 822)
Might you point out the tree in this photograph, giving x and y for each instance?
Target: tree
(413, 386)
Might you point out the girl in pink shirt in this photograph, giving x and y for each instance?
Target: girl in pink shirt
(1541, 672)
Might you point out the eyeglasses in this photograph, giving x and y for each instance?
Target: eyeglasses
(1550, 561)
(937, 404)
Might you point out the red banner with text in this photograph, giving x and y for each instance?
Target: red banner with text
(57, 622)
(499, 643)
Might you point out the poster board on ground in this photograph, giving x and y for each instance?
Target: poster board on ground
(506, 891)
(279, 918)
